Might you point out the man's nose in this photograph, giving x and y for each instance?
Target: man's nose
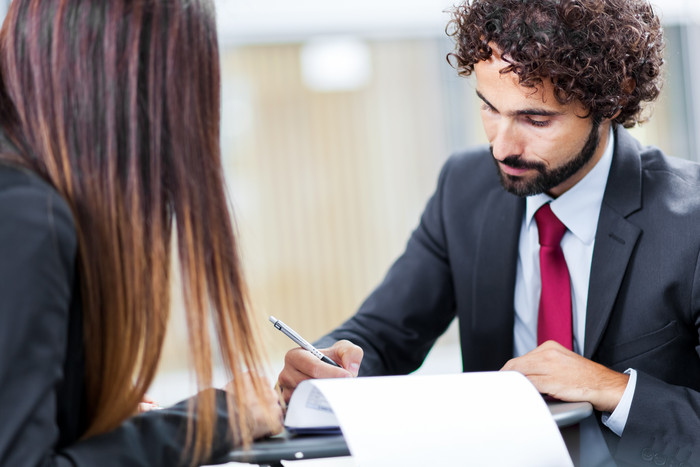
(506, 142)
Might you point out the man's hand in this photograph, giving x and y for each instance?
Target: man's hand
(567, 376)
(300, 364)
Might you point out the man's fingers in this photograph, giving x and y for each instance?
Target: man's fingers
(563, 374)
(288, 381)
(526, 365)
(306, 363)
(299, 365)
(347, 354)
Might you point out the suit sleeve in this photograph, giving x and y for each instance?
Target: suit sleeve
(37, 260)
(399, 322)
(155, 438)
(663, 426)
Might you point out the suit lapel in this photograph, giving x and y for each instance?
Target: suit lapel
(615, 237)
(494, 278)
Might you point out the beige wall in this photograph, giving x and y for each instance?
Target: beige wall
(328, 186)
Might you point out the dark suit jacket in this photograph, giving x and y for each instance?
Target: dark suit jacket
(42, 413)
(643, 300)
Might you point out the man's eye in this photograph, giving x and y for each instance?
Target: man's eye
(537, 123)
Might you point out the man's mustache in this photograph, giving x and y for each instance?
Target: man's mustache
(517, 162)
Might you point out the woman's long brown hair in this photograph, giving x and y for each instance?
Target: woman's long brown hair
(116, 104)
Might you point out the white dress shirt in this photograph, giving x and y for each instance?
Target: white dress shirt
(578, 209)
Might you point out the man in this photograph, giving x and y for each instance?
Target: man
(607, 313)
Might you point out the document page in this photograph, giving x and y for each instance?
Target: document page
(491, 418)
(310, 412)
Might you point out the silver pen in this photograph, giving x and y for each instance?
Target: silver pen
(303, 343)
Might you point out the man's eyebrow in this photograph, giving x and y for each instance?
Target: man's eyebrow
(486, 101)
(534, 111)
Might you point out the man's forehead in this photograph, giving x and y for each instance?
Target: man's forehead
(492, 83)
(492, 77)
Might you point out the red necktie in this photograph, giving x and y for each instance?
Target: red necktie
(554, 321)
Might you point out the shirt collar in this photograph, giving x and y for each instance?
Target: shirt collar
(579, 207)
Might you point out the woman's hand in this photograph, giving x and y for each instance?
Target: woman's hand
(147, 404)
(264, 414)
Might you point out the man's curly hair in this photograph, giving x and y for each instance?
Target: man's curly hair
(607, 54)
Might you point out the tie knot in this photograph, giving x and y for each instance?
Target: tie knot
(550, 228)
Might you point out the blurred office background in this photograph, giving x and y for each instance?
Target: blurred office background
(337, 116)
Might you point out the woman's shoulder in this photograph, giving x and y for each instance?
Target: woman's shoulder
(16, 180)
(17, 177)
(28, 203)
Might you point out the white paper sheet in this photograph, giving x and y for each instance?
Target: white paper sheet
(492, 418)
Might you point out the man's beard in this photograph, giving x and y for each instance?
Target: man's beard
(546, 180)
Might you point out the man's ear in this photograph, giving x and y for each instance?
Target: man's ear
(627, 86)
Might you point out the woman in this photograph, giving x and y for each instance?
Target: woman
(110, 138)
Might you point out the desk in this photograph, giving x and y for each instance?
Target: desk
(569, 413)
(271, 451)
(285, 446)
